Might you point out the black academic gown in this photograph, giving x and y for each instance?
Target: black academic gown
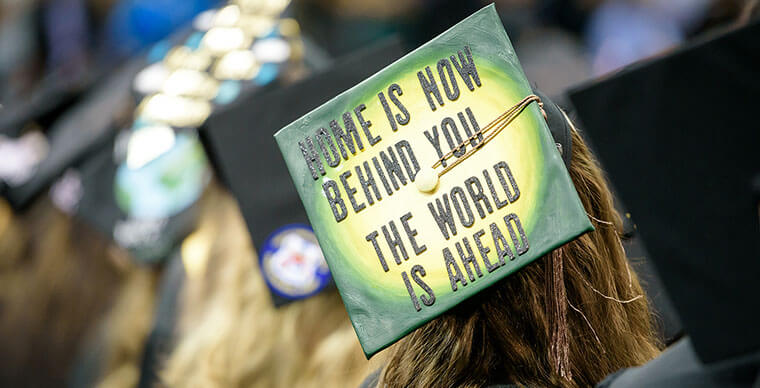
(679, 367)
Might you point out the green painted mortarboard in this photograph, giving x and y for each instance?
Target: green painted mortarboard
(408, 237)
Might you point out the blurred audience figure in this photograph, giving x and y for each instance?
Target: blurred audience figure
(57, 279)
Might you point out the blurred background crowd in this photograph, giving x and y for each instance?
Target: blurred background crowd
(124, 260)
(41, 41)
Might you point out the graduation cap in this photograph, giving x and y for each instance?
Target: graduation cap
(54, 94)
(140, 187)
(351, 197)
(146, 210)
(679, 139)
(76, 132)
(238, 140)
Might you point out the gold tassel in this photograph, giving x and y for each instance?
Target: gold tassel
(559, 350)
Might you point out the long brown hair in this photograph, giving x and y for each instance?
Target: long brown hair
(57, 279)
(231, 335)
(505, 333)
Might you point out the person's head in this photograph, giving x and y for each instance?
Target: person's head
(230, 333)
(508, 332)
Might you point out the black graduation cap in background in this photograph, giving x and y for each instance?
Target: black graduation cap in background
(238, 139)
(53, 95)
(149, 241)
(78, 131)
(680, 139)
(240, 145)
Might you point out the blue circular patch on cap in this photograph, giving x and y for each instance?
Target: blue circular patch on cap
(292, 262)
